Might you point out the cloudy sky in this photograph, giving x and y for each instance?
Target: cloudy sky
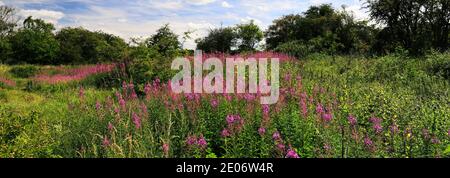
(140, 18)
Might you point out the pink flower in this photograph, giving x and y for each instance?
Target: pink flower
(98, 106)
(276, 136)
(122, 104)
(105, 142)
(281, 147)
(191, 140)
(352, 120)
(292, 154)
(265, 109)
(225, 133)
(165, 148)
(81, 92)
(262, 131)
(214, 103)
(368, 142)
(327, 117)
(319, 109)
(136, 120)
(202, 142)
(110, 127)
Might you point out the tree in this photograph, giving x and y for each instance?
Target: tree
(282, 30)
(35, 43)
(248, 35)
(7, 24)
(416, 25)
(81, 46)
(218, 40)
(165, 41)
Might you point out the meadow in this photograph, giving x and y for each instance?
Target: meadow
(330, 107)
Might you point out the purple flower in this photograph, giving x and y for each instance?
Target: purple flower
(326, 147)
(393, 128)
(352, 120)
(435, 140)
(262, 131)
(191, 140)
(287, 77)
(368, 142)
(202, 142)
(292, 154)
(136, 120)
(225, 133)
(327, 117)
(147, 88)
(378, 128)
(122, 104)
(265, 109)
(214, 103)
(276, 136)
(448, 132)
(230, 119)
(319, 109)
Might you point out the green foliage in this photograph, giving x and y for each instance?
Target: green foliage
(80, 46)
(320, 29)
(415, 25)
(24, 71)
(218, 40)
(35, 43)
(248, 35)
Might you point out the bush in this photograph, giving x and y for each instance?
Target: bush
(24, 71)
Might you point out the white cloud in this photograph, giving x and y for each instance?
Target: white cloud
(1, 3)
(46, 15)
(200, 2)
(171, 5)
(225, 4)
(358, 12)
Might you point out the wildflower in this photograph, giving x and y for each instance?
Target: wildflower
(326, 147)
(147, 88)
(376, 124)
(352, 120)
(191, 140)
(165, 148)
(266, 109)
(122, 104)
(202, 142)
(276, 136)
(281, 147)
(287, 77)
(303, 104)
(393, 128)
(225, 133)
(435, 140)
(319, 109)
(230, 119)
(81, 92)
(368, 142)
(136, 120)
(98, 106)
(448, 132)
(262, 131)
(327, 117)
(292, 154)
(105, 142)
(110, 127)
(214, 103)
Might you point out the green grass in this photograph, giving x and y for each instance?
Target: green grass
(412, 94)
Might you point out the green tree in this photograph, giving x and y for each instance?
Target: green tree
(165, 41)
(35, 43)
(416, 25)
(218, 40)
(248, 35)
(7, 24)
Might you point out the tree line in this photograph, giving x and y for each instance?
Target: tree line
(416, 26)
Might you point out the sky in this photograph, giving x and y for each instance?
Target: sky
(141, 18)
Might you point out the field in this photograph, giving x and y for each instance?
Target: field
(330, 107)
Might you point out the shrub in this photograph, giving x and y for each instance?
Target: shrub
(24, 71)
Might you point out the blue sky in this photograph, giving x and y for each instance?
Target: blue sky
(140, 18)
